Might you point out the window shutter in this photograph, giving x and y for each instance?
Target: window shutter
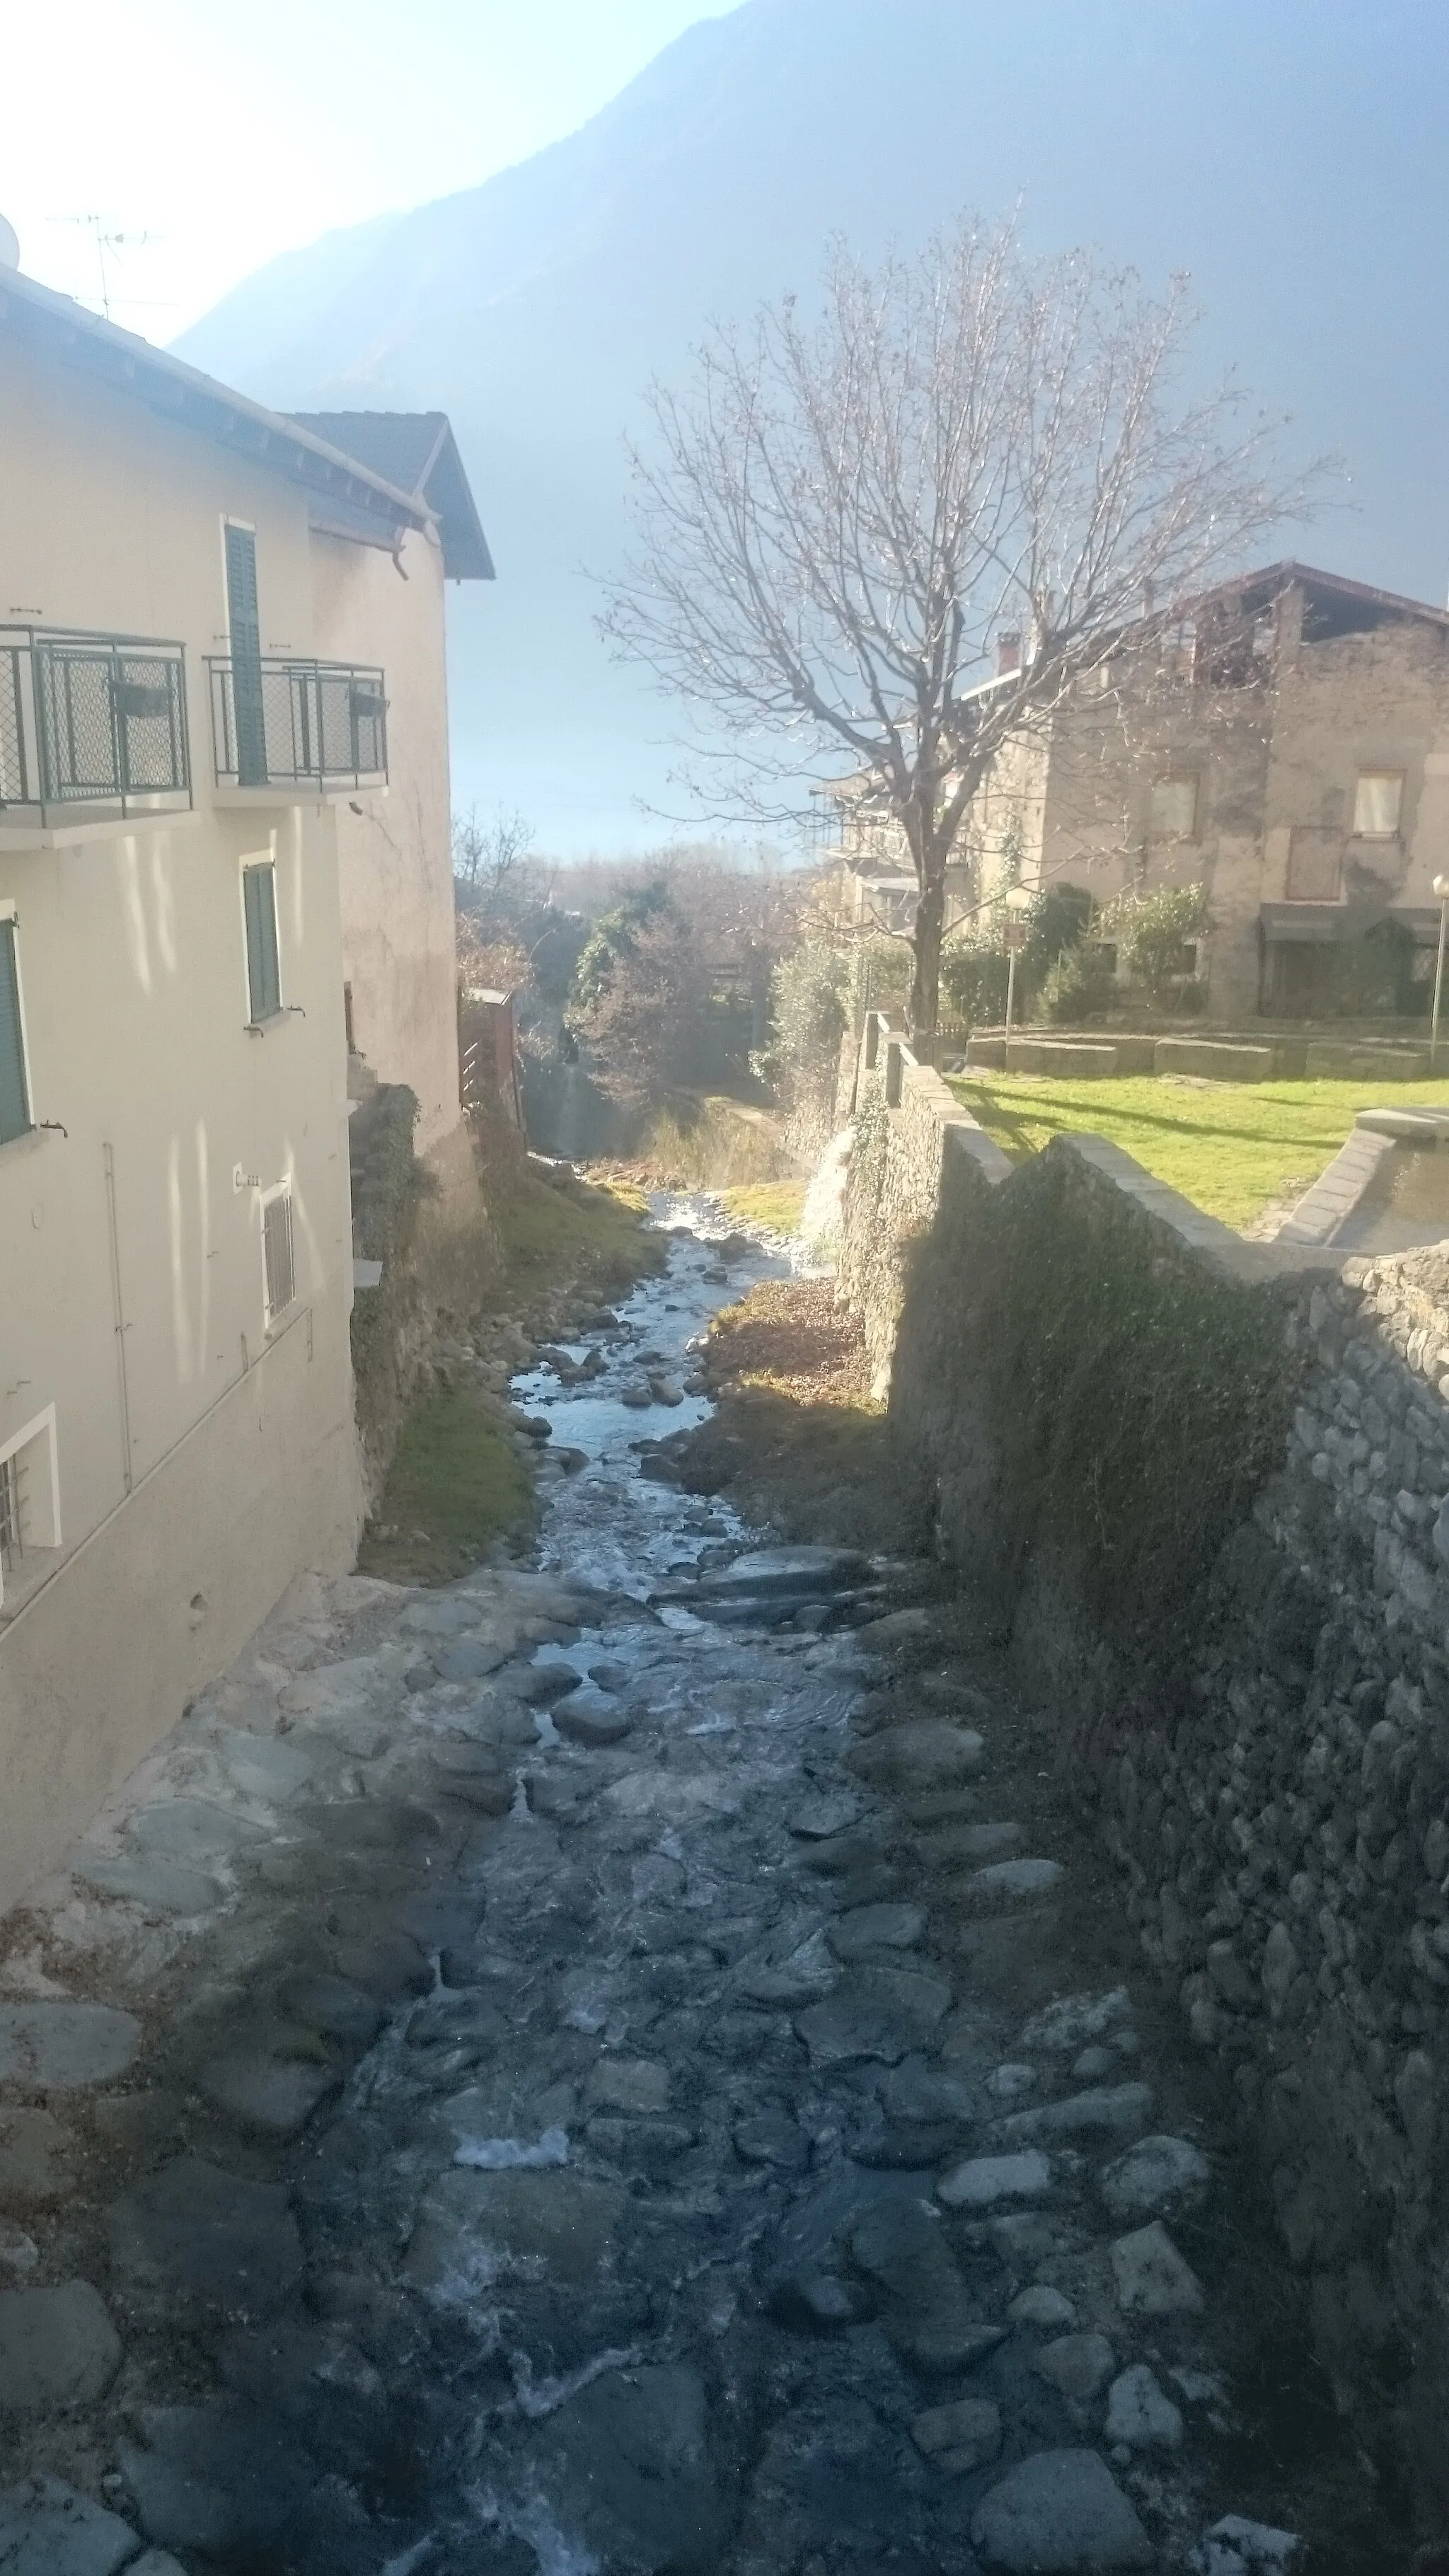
(277, 1252)
(264, 984)
(15, 1118)
(244, 621)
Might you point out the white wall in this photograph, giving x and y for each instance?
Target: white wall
(396, 852)
(189, 1498)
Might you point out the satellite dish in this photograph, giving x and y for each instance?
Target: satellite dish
(9, 245)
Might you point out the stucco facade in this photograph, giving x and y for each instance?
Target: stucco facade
(1288, 749)
(176, 1411)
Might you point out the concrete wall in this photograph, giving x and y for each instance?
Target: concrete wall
(203, 1452)
(396, 852)
(1203, 1489)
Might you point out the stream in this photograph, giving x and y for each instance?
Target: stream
(587, 2073)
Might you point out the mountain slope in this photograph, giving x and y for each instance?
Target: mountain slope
(1288, 156)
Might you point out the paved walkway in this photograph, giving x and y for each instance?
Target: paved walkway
(525, 2081)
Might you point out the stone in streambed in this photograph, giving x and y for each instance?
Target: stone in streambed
(221, 2479)
(628, 2084)
(1056, 2513)
(628, 2462)
(830, 1812)
(875, 2012)
(926, 2309)
(161, 1886)
(590, 1722)
(1066, 2026)
(274, 2096)
(62, 2047)
(58, 2351)
(875, 1927)
(49, 2529)
(192, 1830)
(1152, 2278)
(922, 1753)
(471, 2225)
(1079, 2365)
(466, 1659)
(545, 1684)
(982, 2182)
(1043, 2307)
(815, 2303)
(958, 2438)
(914, 2091)
(1154, 2178)
(1011, 1882)
(33, 2152)
(265, 1766)
(334, 2008)
(1105, 2111)
(197, 2238)
(1139, 2414)
(772, 2138)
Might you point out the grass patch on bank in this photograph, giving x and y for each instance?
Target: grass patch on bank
(594, 1238)
(1232, 1148)
(454, 1488)
(773, 1203)
(797, 1439)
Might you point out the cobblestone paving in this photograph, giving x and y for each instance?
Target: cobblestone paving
(508, 2089)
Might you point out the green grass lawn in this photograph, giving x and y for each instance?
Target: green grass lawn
(1232, 1148)
(772, 1203)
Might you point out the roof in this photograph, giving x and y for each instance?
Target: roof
(1259, 589)
(416, 452)
(181, 393)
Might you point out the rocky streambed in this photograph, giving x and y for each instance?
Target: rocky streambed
(597, 2069)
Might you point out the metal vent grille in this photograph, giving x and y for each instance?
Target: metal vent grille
(277, 1252)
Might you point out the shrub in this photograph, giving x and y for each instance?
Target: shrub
(1079, 986)
(1152, 931)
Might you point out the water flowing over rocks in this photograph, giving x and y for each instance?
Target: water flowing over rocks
(518, 2085)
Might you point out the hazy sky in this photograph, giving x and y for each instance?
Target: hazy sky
(227, 136)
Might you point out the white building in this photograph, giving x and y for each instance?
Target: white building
(207, 660)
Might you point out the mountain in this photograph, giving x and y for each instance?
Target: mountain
(1288, 155)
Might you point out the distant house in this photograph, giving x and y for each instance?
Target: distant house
(217, 690)
(1286, 746)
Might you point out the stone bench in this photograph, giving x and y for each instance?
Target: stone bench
(1066, 1058)
(1341, 1059)
(1213, 1061)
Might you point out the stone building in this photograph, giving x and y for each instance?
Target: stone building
(1286, 746)
(209, 657)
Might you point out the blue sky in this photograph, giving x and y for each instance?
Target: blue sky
(225, 136)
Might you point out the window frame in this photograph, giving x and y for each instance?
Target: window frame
(1363, 778)
(275, 1315)
(10, 922)
(1176, 778)
(254, 864)
(41, 1428)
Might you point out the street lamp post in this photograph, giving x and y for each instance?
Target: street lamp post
(1018, 905)
(1441, 888)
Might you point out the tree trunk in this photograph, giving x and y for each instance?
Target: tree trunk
(925, 1003)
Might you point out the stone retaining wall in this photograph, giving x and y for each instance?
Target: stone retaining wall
(1204, 1485)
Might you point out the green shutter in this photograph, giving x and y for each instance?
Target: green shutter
(244, 620)
(15, 1118)
(264, 983)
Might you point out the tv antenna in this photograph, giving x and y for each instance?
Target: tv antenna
(106, 240)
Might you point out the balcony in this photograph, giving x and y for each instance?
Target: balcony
(310, 728)
(92, 729)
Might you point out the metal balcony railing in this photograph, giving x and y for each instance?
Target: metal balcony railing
(298, 724)
(90, 725)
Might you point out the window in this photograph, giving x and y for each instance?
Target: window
(1174, 807)
(281, 1282)
(259, 902)
(1377, 800)
(15, 1118)
(29, 1509)
(1315, 863)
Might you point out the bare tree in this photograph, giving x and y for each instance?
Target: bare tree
(844, 520)
(485, 855)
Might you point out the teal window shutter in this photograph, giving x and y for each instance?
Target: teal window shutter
(264, 983)
(15, 1118)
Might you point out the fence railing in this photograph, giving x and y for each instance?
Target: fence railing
(90, 722)
(297, 724)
